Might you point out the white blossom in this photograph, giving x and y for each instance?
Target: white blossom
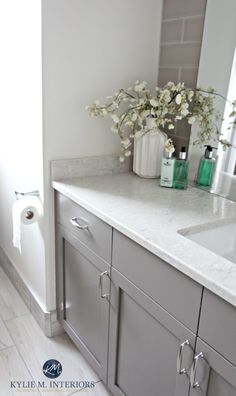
(184, 109)
(104, 112)
(178, 99)
(114, 128)
(145, 114)
(184, 112)
(140, 87)
(154, 102)
(138, 135)
(125, 143)
(169, 146)
(115, 118)
(129, 123)
(191, 120)
(190, 95)
(134, 117)
(166, 95)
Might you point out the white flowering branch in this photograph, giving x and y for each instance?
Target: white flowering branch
(129, 110)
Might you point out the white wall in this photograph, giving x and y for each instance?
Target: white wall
(21, 132)
(90, 49)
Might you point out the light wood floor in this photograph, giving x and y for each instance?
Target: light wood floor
(24, 349)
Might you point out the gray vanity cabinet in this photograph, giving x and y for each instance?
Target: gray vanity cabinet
(212, 374)
(83, 309)
(137, 319)
(144, 343)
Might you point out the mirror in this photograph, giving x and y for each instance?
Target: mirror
(217, 69)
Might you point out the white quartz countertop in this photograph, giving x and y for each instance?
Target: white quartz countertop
(152, 216)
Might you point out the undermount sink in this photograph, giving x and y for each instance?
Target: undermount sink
(220, 239)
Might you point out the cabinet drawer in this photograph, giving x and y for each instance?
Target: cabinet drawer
(218, 325)
(98, 235)
(174, 291)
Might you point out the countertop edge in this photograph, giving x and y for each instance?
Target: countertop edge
(175, 262)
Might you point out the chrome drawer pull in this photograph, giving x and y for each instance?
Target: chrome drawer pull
(103, 295)
(76, 222)
(181, 370)
(193, 382)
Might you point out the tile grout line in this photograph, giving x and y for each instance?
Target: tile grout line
(169, 67)
(183, 30)
(177, 65)
(7, 347)
(178, 18)
(180, 42)
(17, 316)
(10, 336)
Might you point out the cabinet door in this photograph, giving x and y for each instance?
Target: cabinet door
(144, 343)
(83, 308)
(212, 374)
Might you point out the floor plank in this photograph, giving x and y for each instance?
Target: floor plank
(5, 339)
(35, 348)
(12, 368)
(11, 304)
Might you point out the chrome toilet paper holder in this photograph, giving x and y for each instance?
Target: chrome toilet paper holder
(23, 194)
(29, 214)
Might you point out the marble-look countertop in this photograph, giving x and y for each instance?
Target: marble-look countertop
(152, 216)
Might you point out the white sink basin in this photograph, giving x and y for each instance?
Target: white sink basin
(220, 239)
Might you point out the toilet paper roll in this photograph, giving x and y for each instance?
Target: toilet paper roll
(25, 211)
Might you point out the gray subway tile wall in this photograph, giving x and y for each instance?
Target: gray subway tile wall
(189, 76)
(183, 54)
(181, 38)
(193, 28)
(172, 31)
(183, 8)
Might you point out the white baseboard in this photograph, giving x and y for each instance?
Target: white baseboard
(46, 320)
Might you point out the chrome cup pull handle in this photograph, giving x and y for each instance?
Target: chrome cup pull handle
(78, 223)
(181, 370)
(103, 295)
(193, 373)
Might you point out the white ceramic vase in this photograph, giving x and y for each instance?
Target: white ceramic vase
(148, 153)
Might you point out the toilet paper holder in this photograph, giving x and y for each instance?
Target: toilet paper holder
(29, 214)
(21, 194)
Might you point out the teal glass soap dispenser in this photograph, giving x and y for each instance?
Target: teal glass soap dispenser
(206, 168)
(181, 171)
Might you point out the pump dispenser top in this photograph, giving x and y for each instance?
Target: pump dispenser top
(209, 151)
